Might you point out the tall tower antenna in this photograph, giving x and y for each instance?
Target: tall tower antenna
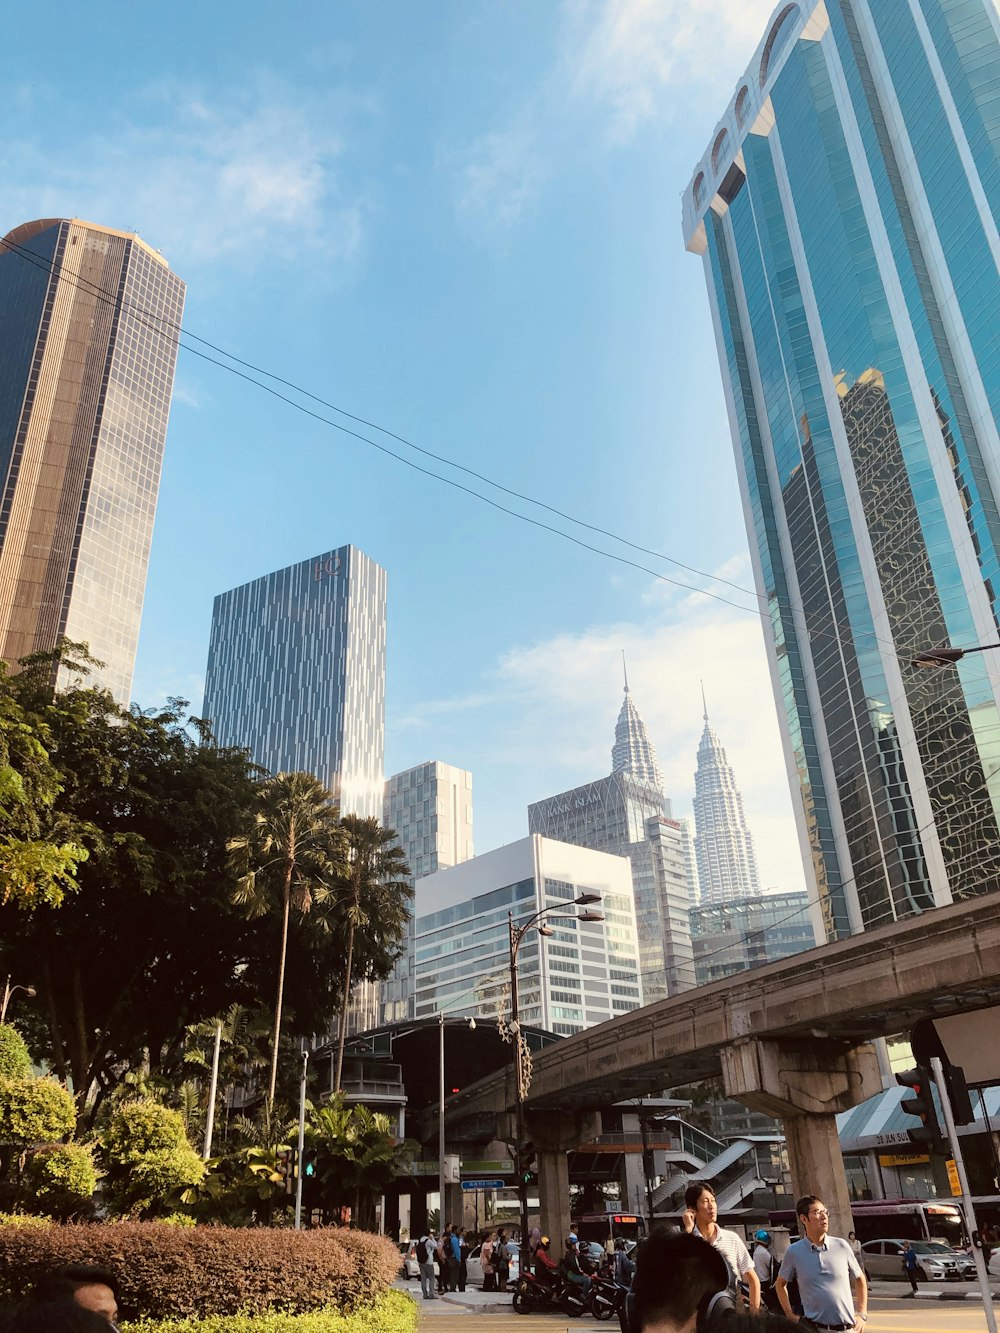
(704, 705)
(625, 670)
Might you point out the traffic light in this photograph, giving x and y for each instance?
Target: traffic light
(285, 1168)
(958, 1094)
(921, 1104)
(526, 1173)
(309, 1163)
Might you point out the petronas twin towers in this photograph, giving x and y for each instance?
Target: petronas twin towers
(727, 864)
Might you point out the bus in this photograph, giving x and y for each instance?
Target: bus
(603, 1227)
(898, 1219)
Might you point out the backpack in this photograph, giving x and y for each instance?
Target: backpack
(500, 1255)
(429, 1249)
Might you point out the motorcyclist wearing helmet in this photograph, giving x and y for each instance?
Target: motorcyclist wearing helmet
(623, 1268)
(546, 1268)
(571, 1268)
(766, 1267)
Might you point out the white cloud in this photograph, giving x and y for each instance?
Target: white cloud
(627, 63)
(232, 177)
(499, 176)
(645, 59)
(552, 707)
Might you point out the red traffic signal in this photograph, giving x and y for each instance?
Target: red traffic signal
(921, 1105)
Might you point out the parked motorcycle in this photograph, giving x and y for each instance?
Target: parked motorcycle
(533, 1297)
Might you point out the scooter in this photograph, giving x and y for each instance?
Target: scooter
(533, 1297)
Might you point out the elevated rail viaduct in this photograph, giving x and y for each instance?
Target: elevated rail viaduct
(791, 1039)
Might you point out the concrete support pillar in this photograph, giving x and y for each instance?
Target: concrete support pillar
(817, 1165)
(554, 1134)
(553, 1190)
(806, 1083)
(454, 1205)
(634, 1198)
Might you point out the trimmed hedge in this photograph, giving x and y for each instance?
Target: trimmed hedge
(394, 1313)
(170, 1272)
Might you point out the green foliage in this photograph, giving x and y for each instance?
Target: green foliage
(38, 874)
(15, 1062)
(147, 1158)
(35, 1110)
(356, 1157)
(61, 1179)
(177, 1272)
(368, 902)
(395, 1312)
(23, 1220)
(291, 849)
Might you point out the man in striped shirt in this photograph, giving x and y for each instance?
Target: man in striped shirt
(700, 1212)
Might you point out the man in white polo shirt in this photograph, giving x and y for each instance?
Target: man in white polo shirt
(832, 1287)
(700, 1212)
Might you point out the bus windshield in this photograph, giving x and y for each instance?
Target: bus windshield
(609, 1226)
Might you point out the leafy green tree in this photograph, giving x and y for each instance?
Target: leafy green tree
(288, 853)
(60, 1179)
(15, 1062)
(40, 848)
(357, 1157)
(151, 942)
(34, 1110)
(147, 1159)
(242, 1052)
(371, 895)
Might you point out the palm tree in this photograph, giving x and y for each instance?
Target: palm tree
(373, 894)
(294, 845)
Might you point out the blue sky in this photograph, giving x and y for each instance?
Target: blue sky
(461, 221)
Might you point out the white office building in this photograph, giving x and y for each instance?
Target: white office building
(581, 974)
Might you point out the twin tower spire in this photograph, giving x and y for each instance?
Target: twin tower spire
(727, 863)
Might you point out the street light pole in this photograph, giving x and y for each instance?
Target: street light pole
(517, 934)
(932, 658)
(441, 1123)
(8, 991)
(212, 1090)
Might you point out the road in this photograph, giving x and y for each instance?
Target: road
(888, 1314)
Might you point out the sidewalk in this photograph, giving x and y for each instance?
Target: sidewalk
(472, 1299)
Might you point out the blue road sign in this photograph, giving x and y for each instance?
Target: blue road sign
(483, 1184)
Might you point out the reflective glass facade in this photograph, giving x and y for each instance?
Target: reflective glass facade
(847, 218)
(89, 323)
(748, 932)
(583, 973)
(430, 807)
(296, 673)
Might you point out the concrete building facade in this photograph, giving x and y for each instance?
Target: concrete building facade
(296, 673)
(581, 974)
(89, 325)
(847, 212)
(627, 814)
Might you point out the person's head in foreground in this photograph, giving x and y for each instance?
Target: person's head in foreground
(85, 1285)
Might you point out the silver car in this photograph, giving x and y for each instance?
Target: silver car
(936, 1262)
(475, 1265)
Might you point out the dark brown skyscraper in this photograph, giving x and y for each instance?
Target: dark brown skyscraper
(89, 321)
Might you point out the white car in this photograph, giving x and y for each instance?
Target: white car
(936, 1262)
(475, 1265)
(409, 1266)
(994, 1265)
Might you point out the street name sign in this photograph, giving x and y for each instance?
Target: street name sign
(484, 1184)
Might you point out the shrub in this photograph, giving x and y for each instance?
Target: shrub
(15, 1062)
(169, 1272)
(393, 1313)
(61, 1179)
(34, 1110)
(148, 1157)
(23, 1220)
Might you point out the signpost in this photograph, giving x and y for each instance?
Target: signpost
(484, 1184)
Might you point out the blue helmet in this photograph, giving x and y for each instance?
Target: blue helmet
(763, 1236)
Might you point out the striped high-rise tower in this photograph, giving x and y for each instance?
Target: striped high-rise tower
(727, 865)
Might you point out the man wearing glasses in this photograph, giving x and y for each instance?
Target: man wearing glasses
(832, 1287)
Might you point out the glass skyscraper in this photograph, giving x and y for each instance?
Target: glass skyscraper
(846, 211)
(89, 323)
(296, 673)
(430, 807)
